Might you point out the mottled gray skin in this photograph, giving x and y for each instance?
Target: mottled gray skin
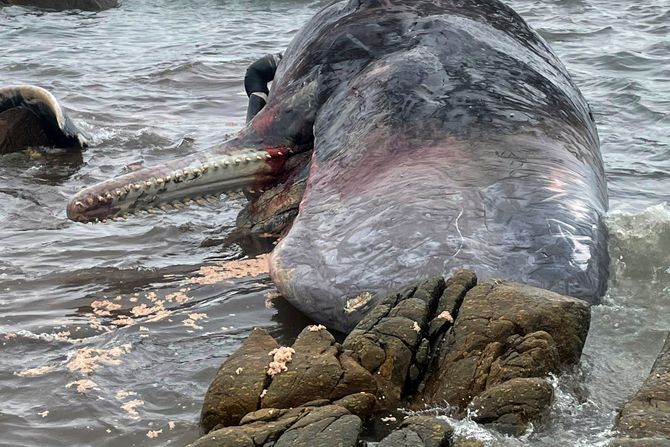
(445, 134)
(450, 136)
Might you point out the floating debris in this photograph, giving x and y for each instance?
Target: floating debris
(122, 394)
(83, 385)
(316, 327)
(130, 407)
(36, 372)
(154, 433)
(192, 318)
(88, 360)
(103, 308)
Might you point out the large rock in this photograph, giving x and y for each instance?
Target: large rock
(420, 431)
(645, 419)
(511, 405)
(506, 330)
(237, 387)
(305, 426)
(390, 342)
(318, 369)
(486, 348)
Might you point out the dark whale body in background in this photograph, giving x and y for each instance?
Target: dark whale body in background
(64, 5)
(31, 116)
(445, 134)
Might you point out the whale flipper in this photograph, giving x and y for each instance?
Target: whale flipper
(32, 116)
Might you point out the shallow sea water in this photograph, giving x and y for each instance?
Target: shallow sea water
(156, 79)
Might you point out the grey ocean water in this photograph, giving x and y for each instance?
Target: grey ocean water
(156, 79)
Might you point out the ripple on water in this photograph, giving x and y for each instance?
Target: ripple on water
(145, 77)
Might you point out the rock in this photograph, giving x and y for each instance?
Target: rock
(505, 330)
(387, 339)
(322, 426)
(511, 405)
(63, 5)
(420, 431)
(359, 404)
(318, 373)
(645, 419)
(238, 384)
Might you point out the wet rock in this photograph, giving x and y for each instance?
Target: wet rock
(468, 442)
(239, 382)
(323, 427)
(420, 431)
(490, 360)
(645, 419)
(318, 373)
(511, 405)
(447, 307)
(319, 426)
(20, 129)
(503, 331)
(387, 340)
(359, 404)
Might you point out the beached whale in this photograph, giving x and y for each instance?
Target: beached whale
(432, 135)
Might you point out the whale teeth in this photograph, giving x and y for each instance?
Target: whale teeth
(78, 204)
(108, 196)
(226, 163)
(280, 153)
(90, 201)
(188, 202)
(201, 201)
(268, 156)
(215, 165)
(212, 199)
(137, 186)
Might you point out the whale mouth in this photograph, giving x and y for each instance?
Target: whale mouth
(198, 179)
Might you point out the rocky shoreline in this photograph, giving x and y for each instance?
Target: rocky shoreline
(484, 350)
